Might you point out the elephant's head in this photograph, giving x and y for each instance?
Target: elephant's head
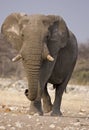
(38, 38)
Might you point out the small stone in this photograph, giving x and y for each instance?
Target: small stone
(9, 125)
(52, 126)
(77, 120)
(2, 128)
(37, 119)
(3, 106)
(39, 124)
(29, 116)
(36, 114)
(7, 110)
(81, 113)
(77, 124)
(13, 108)
(5, 114)
(82, 110)
(18, 124)
(14, 114)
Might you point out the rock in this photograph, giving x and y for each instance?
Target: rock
(3, 106)
(82, 110)
(7, 110)
(81, 113)
(2, 128)
(37, 120)
(77, 120)
(9, 125)
(18, 124)
(13, 108)
(52, 126)
(76, 124)
(29, 116)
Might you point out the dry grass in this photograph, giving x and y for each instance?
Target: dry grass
(81, 72)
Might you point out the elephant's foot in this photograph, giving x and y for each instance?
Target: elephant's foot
(35, 108)
(47, 107)
(56, 113)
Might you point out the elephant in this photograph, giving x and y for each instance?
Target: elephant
(48, 51)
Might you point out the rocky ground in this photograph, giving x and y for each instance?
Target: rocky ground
(14, 108)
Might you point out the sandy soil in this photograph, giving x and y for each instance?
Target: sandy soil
(14, 108)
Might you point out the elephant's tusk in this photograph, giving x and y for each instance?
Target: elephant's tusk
(50, 58)
(16, 58)
(46, 53)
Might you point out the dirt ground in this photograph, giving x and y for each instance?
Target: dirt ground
(14, 108)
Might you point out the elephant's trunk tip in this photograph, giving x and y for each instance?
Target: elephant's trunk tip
(31, 98)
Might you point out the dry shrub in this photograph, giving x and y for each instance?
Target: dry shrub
(81, 72)
(7, 67)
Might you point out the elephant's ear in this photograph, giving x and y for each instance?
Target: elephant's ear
(10, 29)
(57, 39)
(59, 33)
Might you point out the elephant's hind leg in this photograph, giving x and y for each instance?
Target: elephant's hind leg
(47, 105)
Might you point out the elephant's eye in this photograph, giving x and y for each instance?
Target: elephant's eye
(46, 38)
(22, 35)
(47, 35)
(23, 58)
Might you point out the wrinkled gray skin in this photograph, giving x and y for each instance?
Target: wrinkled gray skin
(35, 37)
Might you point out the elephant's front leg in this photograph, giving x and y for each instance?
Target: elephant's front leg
(57, 102)
(35, 106)
(47, 105)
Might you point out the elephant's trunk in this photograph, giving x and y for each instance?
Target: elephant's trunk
(33, 79)
(32, 61)
(32, 71)
(32, 56)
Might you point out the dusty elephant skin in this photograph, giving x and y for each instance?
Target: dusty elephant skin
(48, 50)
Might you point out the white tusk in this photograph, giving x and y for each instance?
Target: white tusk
(50, 58)
(16, 58)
